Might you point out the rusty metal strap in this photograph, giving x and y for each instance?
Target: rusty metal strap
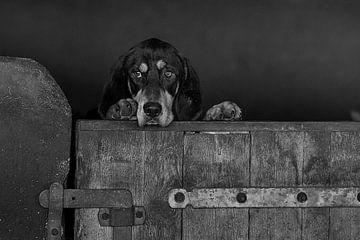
(54, 230)
(91, 198)
(265, 197)
(116, 208)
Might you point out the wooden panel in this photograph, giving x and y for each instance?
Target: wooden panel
(345, 171)
(316, 147)
(276, 160)
(215, 161)
(146, 163)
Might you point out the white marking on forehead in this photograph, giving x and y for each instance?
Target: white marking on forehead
(143, 67)
(160, 64)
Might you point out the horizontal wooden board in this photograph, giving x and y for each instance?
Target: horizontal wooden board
(218, 126)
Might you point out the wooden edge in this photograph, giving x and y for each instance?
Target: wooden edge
(214, 126)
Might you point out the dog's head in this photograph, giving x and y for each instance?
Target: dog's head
(163, 83)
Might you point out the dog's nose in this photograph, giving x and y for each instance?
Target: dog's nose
(152, 109)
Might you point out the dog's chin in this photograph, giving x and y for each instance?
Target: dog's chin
(162, 121)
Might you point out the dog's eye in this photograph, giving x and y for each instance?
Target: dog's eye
(137, 74)
(168, 74)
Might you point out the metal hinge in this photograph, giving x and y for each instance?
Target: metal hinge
(304, 197)
(115, 208)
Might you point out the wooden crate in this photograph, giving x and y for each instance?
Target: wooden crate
(151, 161)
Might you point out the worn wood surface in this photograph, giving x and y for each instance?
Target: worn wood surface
(215, 161)
(222, 126)
(209, 156)
(35, 134)
(146, 163)
(316, 171)
(345, 171)
(276, 160)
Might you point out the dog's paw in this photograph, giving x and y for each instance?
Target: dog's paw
(124, 109)
(225, 111)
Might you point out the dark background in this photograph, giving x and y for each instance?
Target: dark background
(279, 60)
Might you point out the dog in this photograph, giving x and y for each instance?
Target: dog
(154, 84)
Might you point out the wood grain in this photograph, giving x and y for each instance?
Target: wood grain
(345, 171)
(276, 160)
(215, 161)
(222, 126)
(316, 172)
(146, 163)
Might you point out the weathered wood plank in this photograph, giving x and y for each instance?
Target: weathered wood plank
(316, 146)
(162, 172)
(276, 160)
(345, 171)
(146, 163)
(215, 161)
(208, 126)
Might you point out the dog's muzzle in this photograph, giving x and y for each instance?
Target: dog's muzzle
(155, 111)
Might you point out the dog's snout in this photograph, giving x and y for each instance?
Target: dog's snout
(152, 109)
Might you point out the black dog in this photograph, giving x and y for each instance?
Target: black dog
(154, 84)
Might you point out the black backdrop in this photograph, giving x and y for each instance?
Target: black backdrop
(279, 60)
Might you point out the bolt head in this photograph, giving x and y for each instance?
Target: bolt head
(105, 216)
(139, 214)
(179, 197)
(301, 197)
(54, 232)
(241, 197)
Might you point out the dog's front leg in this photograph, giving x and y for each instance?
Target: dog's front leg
(225, 111)
(124, 109)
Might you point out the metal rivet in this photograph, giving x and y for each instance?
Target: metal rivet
(54, 232)
(179, 197)
(139, 214)
(105, 216)
(358, 197)
(301, 197)
(241, 197)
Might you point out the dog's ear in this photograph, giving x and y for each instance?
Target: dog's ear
(187, 102)
(116, 88)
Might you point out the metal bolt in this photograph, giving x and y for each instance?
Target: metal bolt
(54, 232)
(105, 216)
(301, 197)
(179, 197)
(241, 197)
(139, 214)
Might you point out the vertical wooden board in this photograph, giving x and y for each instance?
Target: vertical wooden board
(162, 169)
(345, 171)
(104, 160)
(146, 163)
(276, 160)
(316, 171)
(215, 161)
